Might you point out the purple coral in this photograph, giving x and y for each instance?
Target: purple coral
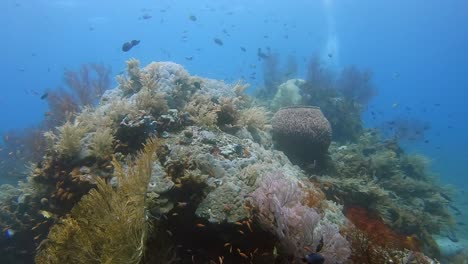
(298, 227)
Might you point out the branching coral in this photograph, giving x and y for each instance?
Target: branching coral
(254, 118)
(356, 85)
(151, 102)
(102, 143)
(204, 110)
(108, 225)
(83, 88)
(69, 139)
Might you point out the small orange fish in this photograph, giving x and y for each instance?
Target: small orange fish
(240, 231)
(200, 225)
(248, 225)
(227, 244)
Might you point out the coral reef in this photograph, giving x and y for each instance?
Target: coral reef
(212, 189)
(397, 187)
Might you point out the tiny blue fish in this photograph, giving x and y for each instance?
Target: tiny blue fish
(10, 233)
(314, 258)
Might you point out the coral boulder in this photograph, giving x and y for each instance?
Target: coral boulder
(302, 132)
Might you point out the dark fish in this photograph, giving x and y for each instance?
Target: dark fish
(314, 258)
(446, 197)
(189, 58)
(330, 55)
(129, 45)
(193, 18)
(146, 16)
(218, 41)
(320, 245)
(243, 49)
(452, 236)
(457, 211)
(44, 96)
(261, 55)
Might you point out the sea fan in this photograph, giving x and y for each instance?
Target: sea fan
(299, 228)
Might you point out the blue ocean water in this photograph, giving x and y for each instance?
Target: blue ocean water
(416, 50)
(421, 42)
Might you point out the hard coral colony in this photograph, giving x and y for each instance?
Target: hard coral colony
(172, 168)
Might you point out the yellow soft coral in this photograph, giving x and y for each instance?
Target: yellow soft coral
(109, 224)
